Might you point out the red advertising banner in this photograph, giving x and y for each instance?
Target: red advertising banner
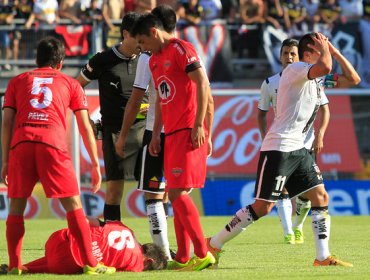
(236, 138)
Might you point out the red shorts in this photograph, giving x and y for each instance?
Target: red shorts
(59, 256)
(30, 162)
(184, 166)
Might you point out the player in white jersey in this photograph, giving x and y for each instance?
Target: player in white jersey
(284, 161)
(268, 97)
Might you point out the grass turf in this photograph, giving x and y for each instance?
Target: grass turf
(258, 253)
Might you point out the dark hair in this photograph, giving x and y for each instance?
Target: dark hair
(50, 52)
(145, 23)
(167, 16)
(156, 253)
(288, 43)
(303, 44)
(128, 21)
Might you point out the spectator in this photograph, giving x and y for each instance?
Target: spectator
(113, 10)
(351, 9)
(6, 18)
(191, 12)
(229, 10)
(144, 6)
(329, 12)
(45, 12)
(252, 17)
(93, 12)
(23, 10)
(212, 9)
(71, 9)
(312, 7)
(294, 17)
(274, 13)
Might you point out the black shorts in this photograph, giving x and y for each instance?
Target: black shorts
(152, 175)
(296, 171)
(117, 168)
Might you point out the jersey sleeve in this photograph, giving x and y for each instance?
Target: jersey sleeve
(143, 74)
(186, 57)
(297, 71)
(324, 99)
(9, 98)
(93, 69)
(78, 97)
(264, 101)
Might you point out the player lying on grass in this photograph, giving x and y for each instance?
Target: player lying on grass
(113, 243)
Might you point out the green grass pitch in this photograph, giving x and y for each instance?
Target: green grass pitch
(258, 253)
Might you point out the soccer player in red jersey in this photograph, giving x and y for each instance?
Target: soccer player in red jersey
(34, 148)
(113, 243)
(183, 91)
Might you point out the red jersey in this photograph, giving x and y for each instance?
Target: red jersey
(113, 244)
(177, 92)
(41, 98)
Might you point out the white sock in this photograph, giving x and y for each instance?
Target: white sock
(302, 209)
(321, 231)
(158, 225)
(238, 223)
(284, 208)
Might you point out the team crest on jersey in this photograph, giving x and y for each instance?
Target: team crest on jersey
(176, 171)
(166, 89)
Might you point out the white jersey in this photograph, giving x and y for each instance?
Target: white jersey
(268, 97)
(144, 81)
(296, 107)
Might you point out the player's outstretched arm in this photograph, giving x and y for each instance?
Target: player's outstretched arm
(197, 133)
(6, 138)
(209, 120)
(155, 143)
(86, 131)
(318, 143)
(349, 76)
(131, 110)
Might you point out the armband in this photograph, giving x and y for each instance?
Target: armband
(331, 80)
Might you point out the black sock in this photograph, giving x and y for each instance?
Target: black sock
(112, 212)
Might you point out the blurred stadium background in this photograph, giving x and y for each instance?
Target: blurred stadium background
(238, 54)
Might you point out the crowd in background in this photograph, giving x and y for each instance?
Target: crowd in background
(246, 19)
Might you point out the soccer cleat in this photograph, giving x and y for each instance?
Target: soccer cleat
(298, 234)
(331, 261)
(197, 264)
(215, 252)
(15, 271)
(98, 269)
(289, 238)
(175, 265)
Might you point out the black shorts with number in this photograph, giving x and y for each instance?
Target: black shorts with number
(152, 175)
(296, 171)
(117, 168)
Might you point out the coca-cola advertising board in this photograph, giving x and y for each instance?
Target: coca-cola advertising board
(236, 137)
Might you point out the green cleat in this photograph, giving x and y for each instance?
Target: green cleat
(198, 264)
(289, 238)
(215, 252)
(99, 269)
(298, 234)
(15, 271)
(175, 265)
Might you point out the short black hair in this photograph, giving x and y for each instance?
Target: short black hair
(50, 52)
(128, 22)
(167, 16)
(289, 43)
(145, 23)
(303, 44)
(156, 253)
